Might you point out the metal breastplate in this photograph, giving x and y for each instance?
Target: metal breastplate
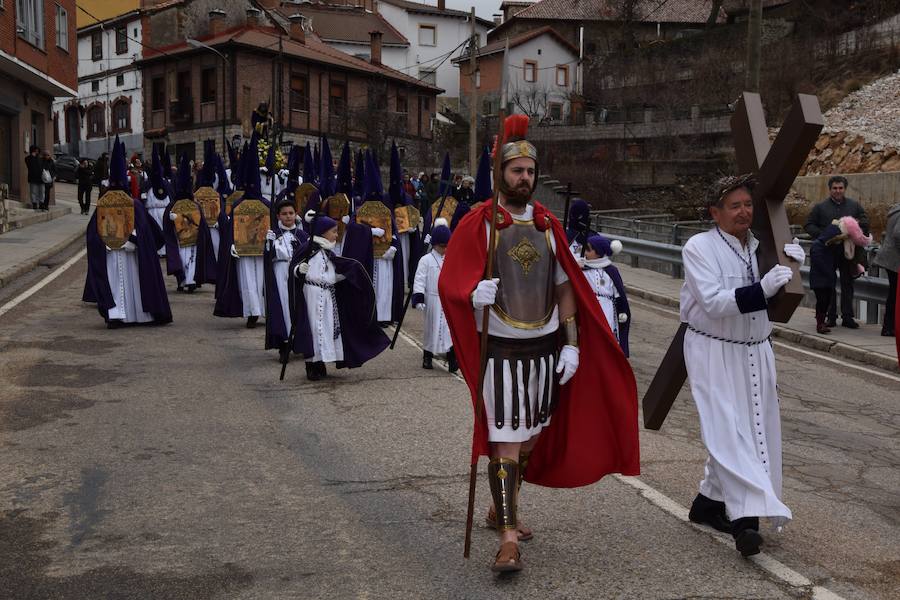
(525, 263)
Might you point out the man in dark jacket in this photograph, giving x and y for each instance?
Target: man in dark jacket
(85, 175)
(101, 172)
(48, 165)
(35, 183)
(888, 258)
(837, 205)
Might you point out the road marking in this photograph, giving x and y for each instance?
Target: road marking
(785, 345)
(762, 560)
(43, 282)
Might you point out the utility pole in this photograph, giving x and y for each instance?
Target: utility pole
(754, 43)
(473, 100)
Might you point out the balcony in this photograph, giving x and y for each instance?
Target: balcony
(181, 111)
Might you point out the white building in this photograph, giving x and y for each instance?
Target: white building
(109, 100)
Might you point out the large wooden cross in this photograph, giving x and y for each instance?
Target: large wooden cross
(776, 166)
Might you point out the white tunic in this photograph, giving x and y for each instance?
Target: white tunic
(321, 310)
(284, 251)
(251, 280)
(404, 248)
(384, 288)
(604, 290)
(214, 238)
(125, 285)
(732, 384)
(189, 263)
(437, 332)
(157, 208)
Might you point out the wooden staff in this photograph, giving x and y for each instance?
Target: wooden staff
(485, 321)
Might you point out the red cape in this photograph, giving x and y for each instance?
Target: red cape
(594, 430)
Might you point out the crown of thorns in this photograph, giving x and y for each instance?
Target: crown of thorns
(725, 185)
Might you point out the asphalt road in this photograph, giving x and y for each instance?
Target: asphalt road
(171, 463)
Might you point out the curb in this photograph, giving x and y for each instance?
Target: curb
(54, 213)
(881, 361)
(10, 275)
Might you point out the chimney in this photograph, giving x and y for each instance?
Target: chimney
(253, 17)
(442, 4)
(216, 21)
(376, 47)
(297, 32)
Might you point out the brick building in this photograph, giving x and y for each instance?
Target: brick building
(38, 61)
(205, 71)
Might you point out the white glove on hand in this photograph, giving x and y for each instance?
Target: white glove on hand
(172, 216)
(377, 232)
(390, 253)
(580, 260)
(623, 317)
(129, 246)
(234, 252)
(775, 279)
(345, 219)
(485, 293)
(568, 363)
(270, 235)
(301, 269)
(427, 238)
(795, 251)
(420, 306)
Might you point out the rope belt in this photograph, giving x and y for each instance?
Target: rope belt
(334, 312)
(608, 296)
(721, 339)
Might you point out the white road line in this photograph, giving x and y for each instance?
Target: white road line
(786, 346)
(43, 282)
(762, 560)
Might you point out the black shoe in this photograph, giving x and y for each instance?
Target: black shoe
(426, 361)
(321, 370)
(191, 288)
(849, 324)
(452, 365)
(705, 511)
(887, 332)
(251, 321)
(748, 542)
(115, 324)
(312, 373)
(831, 322)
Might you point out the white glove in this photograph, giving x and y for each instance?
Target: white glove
(377, 232)
(301, 269)
(485, 293)
(390, 253)
(775, 279)
(580, 261)
(345, 219)
(623, 317)
(108, 249)
(795, 251)
(270, 235)
(234, 252)
(427, 238)
(214, 224)
(420, 306)
(129, 246)
(172, 216)
(568, 363)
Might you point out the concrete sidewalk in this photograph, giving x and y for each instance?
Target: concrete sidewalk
(865, 345)
(23, 249)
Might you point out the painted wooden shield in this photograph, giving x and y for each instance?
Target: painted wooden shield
(187, 222)
(231, 200)
(250, 224)
(301, 197)
(115, 218)
(407, 218)
(447, 211)
(375, 214)
(209, 202)
(337, 207)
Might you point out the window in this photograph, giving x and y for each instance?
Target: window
(562, 75)
(121, 40)
(428, 76)
(426, 103)
(427, 35)
(121, 113)
(208, 85)
(299, 92)
(30, 21)
(158, 93)
(530, 71)
(96, 121)
(337, 97)
(555, 111)
(183, 89)
(62, 28)
(55, 121)
(95, 86)
(402, 102)
(478, 78)
(97, 45)
(120, 80)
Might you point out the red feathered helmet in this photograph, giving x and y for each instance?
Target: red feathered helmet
(515, 130)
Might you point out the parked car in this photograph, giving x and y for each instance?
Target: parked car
(66, 168)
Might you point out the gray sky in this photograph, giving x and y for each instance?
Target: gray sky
(483, 8)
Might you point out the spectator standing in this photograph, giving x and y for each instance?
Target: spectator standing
(48, 175)
(35, 184)
(101, 173)
(465, 193)
(838, 205)
(85, 177)
(888, 258)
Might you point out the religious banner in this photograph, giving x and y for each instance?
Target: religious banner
(301, 197)
(448, 210)
(375, 214)
(115, 218)
(209, 202)
(337, 207)
(407, 218)
(187, 222)
(250, 224)
(231, 200)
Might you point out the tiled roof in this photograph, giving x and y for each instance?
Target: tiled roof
(346, 23)
(430, 9)
(499, 45)
(654, 11)
(103, 10)
(313, 50)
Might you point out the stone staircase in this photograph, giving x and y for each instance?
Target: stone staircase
(15, 214)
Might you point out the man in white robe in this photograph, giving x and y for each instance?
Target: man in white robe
(425, 298)
(731, 368)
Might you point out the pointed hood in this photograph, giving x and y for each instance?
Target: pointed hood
(326, 171)
(207, 174)
(270, 160)
(224, 185)
(317, 159)
(251, 177)
(483, 189)
(359, 173)
(167, 163)
(237, 171)
(345, 172)
(183, 187)
(118, 172)
(444, 187)
(232, 157)
(309, 166)
(293, 161)
(395, 183)
(374, 188)
(157, 181)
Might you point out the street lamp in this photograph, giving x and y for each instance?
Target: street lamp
(200, 45)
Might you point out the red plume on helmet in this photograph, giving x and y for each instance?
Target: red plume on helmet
(515, 128)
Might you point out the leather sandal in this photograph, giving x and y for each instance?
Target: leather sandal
(508, 558)
(525, 533)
